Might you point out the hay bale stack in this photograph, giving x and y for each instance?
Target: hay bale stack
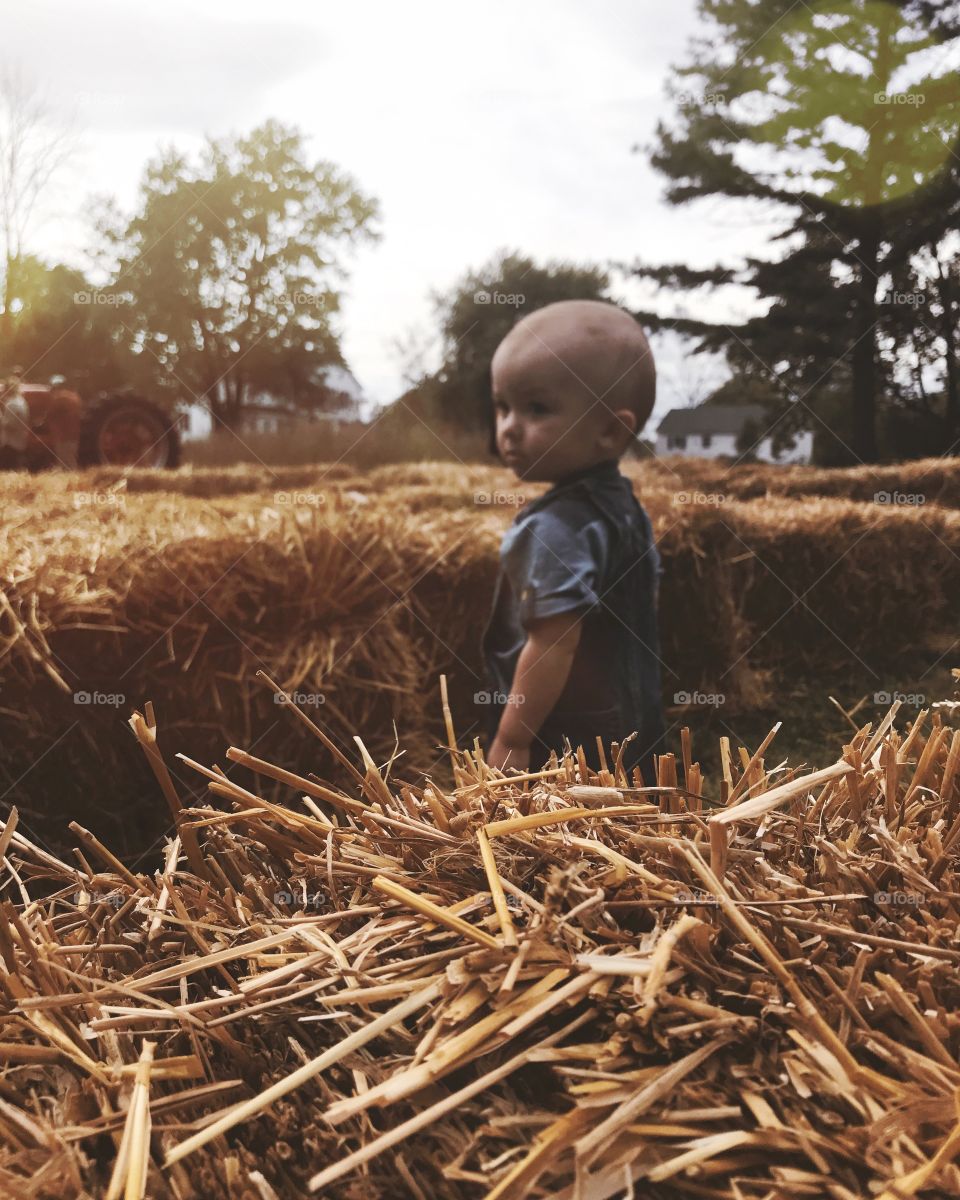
(552, 984)
(186, 599)
(226, 481)
(781, 584)
(447, 476)
(363, 590)
(926, 481)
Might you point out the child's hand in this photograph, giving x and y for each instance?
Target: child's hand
(501, 755)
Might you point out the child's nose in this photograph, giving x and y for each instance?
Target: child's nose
(508, 425)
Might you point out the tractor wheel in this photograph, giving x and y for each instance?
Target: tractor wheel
(127, 431)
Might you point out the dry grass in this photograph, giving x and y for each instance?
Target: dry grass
(360, 588)
(422, 979)
(546, 985)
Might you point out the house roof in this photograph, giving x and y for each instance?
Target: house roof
(710, 418)
(342, 379)
(339, 380)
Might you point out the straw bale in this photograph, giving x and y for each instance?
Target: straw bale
(363, 589)
(936, 480)
(555, 983)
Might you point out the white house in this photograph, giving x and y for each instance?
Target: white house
(712, 430)
(270, 414)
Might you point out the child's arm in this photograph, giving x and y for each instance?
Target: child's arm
(542, 671)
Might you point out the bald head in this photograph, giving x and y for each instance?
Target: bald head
(589, 345)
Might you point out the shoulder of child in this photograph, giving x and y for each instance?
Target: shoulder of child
(556, 545)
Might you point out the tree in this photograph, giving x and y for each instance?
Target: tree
(942, 17)
(225, 277)
(921, 329)
(480, 310)
(801, 109)
(33, 149)
(55, 329)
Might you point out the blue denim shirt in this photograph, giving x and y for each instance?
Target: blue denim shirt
(585, 545)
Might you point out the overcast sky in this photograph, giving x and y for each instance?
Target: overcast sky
(477, 126)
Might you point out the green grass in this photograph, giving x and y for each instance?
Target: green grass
(813, 730)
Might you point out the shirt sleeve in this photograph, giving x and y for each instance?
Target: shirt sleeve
(555, 565)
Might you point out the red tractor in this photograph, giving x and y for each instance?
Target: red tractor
(49, 425)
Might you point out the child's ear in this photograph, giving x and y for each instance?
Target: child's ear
(620, 429)
(627, 419)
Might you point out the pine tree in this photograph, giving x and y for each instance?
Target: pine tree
(843, 116)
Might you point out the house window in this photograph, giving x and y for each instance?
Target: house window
(678, 443)
(706, 439)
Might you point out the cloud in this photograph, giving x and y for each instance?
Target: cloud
(476, 125)
(119, 67)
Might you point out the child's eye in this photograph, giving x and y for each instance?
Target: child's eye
(537, 408)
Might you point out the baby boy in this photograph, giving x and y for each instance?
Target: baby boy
(571, 648)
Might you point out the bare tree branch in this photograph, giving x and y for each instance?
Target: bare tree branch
(33, 148)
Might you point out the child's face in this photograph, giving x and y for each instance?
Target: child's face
(548, 425)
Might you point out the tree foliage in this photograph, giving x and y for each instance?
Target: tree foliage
(479, 311)
(226, 276)
(57, 327)
(843, 118)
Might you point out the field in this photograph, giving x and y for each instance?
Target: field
(723, 956)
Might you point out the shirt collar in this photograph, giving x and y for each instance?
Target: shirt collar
(608, 469)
